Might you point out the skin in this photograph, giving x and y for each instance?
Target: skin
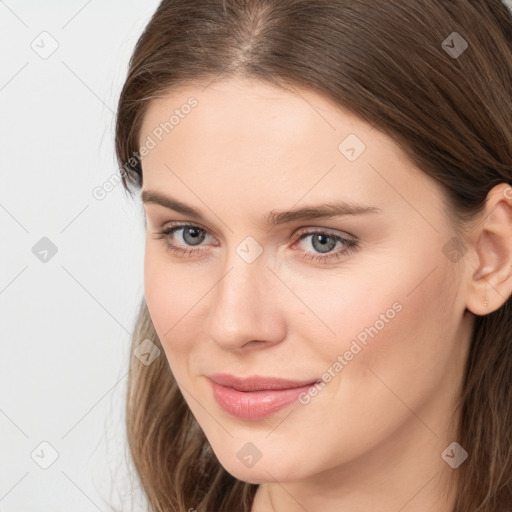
(372, 438)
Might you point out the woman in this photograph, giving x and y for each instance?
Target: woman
(328, 206)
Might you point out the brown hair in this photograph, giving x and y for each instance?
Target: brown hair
(383, 60)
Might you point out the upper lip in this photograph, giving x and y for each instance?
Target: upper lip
(257, 382)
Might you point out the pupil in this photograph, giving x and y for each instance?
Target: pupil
(324, 240)
(193, 236)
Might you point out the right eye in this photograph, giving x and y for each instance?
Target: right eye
(191, 233)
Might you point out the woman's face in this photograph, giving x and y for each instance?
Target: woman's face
(366, 301)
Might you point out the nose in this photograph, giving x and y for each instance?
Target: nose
(247, 306)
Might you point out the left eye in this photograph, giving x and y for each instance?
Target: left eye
(326, 242)
(322, 241)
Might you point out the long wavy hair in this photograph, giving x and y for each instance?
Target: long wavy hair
(385, 61)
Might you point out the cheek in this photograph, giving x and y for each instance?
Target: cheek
(389, 317)
(168, 295)
(167, 304)
(401, 366)
(178, 297)
(398, 343)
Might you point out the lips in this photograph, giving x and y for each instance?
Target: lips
(255, 398)
(258, 383)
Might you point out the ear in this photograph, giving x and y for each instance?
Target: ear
(489, 257)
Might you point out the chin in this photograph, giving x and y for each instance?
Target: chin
(264, 470)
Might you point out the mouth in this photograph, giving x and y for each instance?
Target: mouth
(257, 397)
(258, 383)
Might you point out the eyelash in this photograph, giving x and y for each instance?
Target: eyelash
(351, 245)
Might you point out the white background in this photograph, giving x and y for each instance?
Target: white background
(65, 323)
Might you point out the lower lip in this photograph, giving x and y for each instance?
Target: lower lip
(254, 405)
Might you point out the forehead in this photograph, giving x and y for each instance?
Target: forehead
(246, 137)
(251, 107)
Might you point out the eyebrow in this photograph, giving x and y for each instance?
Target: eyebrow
(274, 218)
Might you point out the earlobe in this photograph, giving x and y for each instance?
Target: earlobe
(490, 283)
